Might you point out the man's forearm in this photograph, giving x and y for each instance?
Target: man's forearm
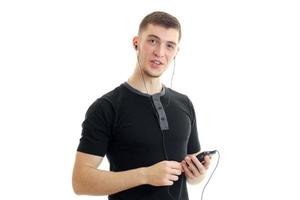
(92, 181)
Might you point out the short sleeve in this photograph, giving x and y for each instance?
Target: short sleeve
(193, 143)
(97, 128)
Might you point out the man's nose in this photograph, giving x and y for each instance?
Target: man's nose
(159, 51)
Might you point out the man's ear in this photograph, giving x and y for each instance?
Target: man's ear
(135, 42)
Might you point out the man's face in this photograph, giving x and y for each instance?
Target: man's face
(157, 47)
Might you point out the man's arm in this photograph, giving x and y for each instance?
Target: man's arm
(194, 170)
(89, 180)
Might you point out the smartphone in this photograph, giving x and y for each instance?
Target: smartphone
(201, 155)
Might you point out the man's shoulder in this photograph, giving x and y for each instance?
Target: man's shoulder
(108, 100)
(178, 95)
(114, 95)
(180, 99)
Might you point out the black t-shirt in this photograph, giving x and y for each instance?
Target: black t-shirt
(135, 130)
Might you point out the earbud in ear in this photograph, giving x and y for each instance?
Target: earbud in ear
(136, 46)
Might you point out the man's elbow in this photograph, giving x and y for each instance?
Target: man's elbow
(77, 184)
(81, 186)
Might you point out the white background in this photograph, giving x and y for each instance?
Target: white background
(239, 63)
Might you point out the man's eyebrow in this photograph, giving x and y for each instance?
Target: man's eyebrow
(155, 36)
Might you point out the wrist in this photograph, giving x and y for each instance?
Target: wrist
(196, 180)
(143, 175)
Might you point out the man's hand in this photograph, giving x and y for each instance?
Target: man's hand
(163, 173)
(193, 169)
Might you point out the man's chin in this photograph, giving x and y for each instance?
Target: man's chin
(153, 75)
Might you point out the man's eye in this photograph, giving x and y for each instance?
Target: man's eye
(153, 41)
(170, 46)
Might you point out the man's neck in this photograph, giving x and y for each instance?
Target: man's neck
(150, 86)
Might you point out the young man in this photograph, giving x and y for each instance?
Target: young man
(147, 131)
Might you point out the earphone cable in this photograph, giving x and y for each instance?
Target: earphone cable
(138, 60)
(211, 174)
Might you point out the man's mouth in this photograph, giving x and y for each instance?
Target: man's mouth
(157, 62)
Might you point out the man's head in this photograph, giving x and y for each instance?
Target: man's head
(162, 19)
(157, 42)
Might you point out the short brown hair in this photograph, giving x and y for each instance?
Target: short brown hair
(162, 19)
